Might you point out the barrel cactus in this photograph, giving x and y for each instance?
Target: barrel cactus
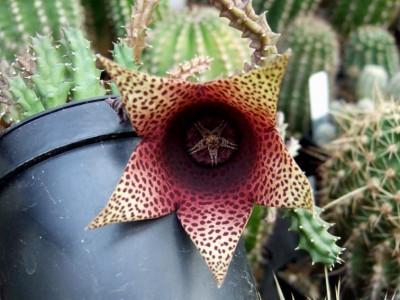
(363, 176)
(346, 16)
(372, 79)
(281, 13)
(192, 32)
(21, 19)
(371, 45)
(315, 49)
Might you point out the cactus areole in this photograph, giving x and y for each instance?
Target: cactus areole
(209, 151)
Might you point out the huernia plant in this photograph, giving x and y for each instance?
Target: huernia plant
(210, 151)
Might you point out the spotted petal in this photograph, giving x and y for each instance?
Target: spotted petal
(215, 228)
(254, 93)
(151, 101)
(280, 181)
(142, 190)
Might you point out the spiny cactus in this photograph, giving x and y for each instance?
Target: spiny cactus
(315, 49)
(371, 78)
(348, 15)
(198, 31)
(120, 13)
(49, 75)
(21, 19)
(280, 13)
(362, 175)
(393, 87)
(370, 45)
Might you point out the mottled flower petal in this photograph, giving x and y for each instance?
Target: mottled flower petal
(141, 191)
(255, 93)
(280, 181)
(215, 228)
(151, 101)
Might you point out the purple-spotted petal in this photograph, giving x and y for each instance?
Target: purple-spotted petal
(280, 181)
(142, 192)
(215, 228)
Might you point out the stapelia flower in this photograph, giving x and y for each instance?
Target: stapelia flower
(209, 151)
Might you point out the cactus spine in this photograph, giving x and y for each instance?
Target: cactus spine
(371, 45)
(346, 16)
(21, 19)
(281, 13)
(363, 175)
(194, 32)
(315, 49)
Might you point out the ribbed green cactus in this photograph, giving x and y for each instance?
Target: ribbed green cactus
(315, 49)
(371, 45)
(50, 75)
(347, 15)
(363, 175)
(314, 236)
(120, 13)
(198, 31)
(21, 19)
(280, 13)
(393, 87)
(373, 78)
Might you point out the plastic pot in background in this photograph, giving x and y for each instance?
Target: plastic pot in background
(57, 171)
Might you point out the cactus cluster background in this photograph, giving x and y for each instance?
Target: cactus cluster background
(47, 58)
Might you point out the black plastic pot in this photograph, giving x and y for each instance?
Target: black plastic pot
(57, 171)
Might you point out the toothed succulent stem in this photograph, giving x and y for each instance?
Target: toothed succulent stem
(255, 27)
(120, 13)
(346, 15)
(371, 45)
(82, 66)
(21, 19)
(314, 236)
(315, 49)
(49, 77)
(196, 32)
(280, 13)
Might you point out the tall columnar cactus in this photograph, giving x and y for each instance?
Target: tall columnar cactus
(21, 19)
(370, 45)
(315, 49)
(119, 13)
(348, 15)
(281, 13)
(50, 75)
(198, 31)
(363, 175)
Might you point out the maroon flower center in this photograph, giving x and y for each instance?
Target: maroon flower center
(192, 166)
(211, 141)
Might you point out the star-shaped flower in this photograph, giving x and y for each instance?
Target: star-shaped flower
(213, 192)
